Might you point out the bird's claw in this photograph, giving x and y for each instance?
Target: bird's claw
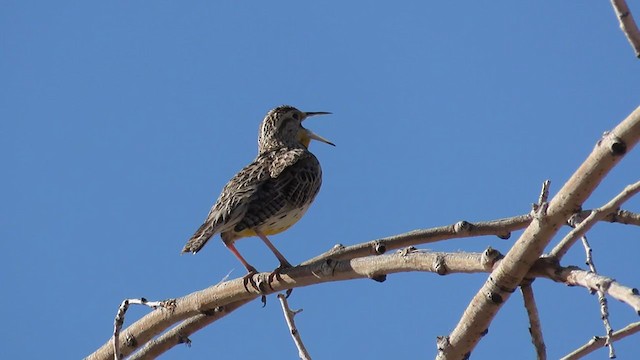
(248, 279)
(276, 274)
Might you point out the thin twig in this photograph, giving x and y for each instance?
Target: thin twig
(596, 215)
(535, 329)
(627, 24)
(544, 193)
(295, 334)
(602, 299)
(180, 333)
(598, 342)
(462, 229)
(119, 320)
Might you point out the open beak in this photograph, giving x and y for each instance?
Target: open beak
(309, 135)
(313, 136)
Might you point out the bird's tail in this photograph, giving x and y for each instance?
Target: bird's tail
(199, 239)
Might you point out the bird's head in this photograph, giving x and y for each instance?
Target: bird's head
(282, 127)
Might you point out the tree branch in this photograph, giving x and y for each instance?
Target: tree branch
(535, 329)
(462, 229)
(180, 333)
(122, 310)
(612, 207)
(511, 271)
(203, 307)
(627, 24)
(602, 299)
(598, 342)
(293, 330)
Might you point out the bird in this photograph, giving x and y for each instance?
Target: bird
(272, 193)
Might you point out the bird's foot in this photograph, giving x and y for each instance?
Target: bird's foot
(276, 274)
(248, 279)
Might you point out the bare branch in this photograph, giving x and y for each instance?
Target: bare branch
(574, 276)
(598, 342)
(544, 194)
(180, 333)
(512, 269)
(295, 334)
(602, 299)
(596, 215)
(201, 306)
(624, 217)
(462, 229)
(153, 325)
(535, 328)
(627, 24)
(122, 310)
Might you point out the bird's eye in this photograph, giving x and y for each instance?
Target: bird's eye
(296, 116)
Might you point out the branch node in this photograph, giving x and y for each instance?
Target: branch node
(379, 248)
(618, 147)
(462, 226)
(406, 251)
(328, 267)
(495, 298)
(442, 342)
(182, 339)
(579, 217)
(439, 265)
(489, 257)
(130, 341)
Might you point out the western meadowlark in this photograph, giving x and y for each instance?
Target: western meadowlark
(272, 193)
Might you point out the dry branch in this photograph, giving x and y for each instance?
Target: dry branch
(120, 315)
(610, 209)
(627, 24)
(602, 299)
(200, 307)
(180, 333)
(293, 330)
(598, 342)
(535, 329)
(501, 228)
(504, 280)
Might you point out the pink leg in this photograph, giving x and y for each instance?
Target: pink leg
(283, 262)
(248, 278)
(244, 262)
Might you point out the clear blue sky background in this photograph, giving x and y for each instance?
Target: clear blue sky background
(121, 121)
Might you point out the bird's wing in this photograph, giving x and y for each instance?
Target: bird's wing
(232, 203)
(294, 181)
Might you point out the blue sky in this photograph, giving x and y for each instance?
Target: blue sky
(121, 122)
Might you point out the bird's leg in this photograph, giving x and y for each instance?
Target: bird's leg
(250, 269)
(284, 264)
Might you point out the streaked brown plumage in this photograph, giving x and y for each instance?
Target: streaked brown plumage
(273, 192)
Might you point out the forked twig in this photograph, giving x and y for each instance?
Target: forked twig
(582, 226)
(598, 342)
(295, 334)
(119, 320)
(602, 299)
